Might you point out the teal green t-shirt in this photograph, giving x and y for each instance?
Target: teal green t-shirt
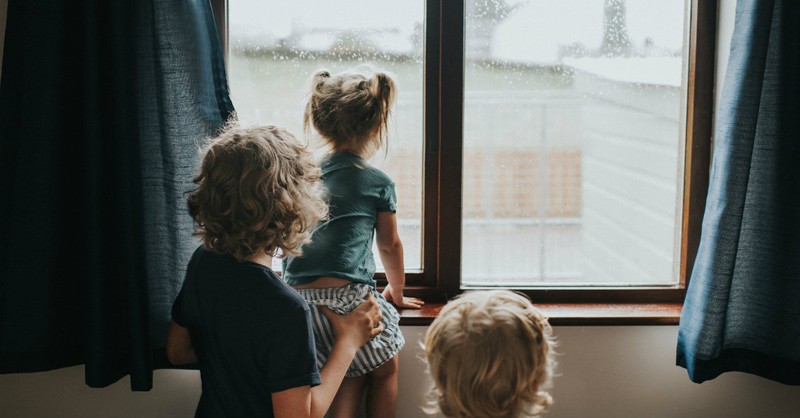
(342, 246)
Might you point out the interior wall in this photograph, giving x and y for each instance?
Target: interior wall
(603, 372)
(619, 372)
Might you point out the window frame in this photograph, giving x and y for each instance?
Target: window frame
(443, 69)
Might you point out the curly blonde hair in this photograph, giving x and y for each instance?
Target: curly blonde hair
(258, 191)
(490, 354)
(350, 110)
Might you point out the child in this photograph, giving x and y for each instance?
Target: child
(250, 333)
(490, 354)
(350, 111)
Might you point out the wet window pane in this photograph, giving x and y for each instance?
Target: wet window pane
(275, 46)
(573, 142)
(572, 124)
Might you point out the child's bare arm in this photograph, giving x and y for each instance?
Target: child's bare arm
(180, 349)
(390, 249)
(352, 331)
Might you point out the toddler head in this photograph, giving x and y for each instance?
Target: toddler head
(490, 354)
(258, 190)
(350, 110)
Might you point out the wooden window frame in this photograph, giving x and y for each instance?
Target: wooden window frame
(440, 277)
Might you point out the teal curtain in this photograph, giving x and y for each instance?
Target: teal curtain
(102, 106)
(742, 308)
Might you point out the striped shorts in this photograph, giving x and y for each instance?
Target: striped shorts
(342, 300)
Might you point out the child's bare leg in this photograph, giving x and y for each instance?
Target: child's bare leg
(348, 398)
(382, 390)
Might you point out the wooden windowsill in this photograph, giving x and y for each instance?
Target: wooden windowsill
(576, 313)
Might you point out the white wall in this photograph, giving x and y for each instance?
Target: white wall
(619, 372)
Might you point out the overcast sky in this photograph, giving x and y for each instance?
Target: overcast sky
(533, 33)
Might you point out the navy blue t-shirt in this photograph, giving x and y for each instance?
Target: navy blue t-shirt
(251, 332)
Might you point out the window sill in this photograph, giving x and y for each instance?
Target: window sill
(575, 313)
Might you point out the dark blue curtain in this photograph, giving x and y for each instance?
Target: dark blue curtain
(742, 308)
(102, 106)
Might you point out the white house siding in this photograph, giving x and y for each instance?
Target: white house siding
(630, 166)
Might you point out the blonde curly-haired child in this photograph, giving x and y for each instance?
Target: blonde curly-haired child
(258, 190)
(490, 354)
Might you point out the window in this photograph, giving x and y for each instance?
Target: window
(560, 148)
(273, 54)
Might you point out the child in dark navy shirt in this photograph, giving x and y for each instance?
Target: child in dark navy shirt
(258, 191)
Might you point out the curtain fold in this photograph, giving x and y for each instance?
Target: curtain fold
(742, 308)
(103, 104)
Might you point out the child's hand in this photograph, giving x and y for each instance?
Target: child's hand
(359, 326)
(397, 298)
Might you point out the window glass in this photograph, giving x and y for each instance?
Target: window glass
(573, 122)
(275, 47)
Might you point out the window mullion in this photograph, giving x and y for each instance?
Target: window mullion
(451, 115)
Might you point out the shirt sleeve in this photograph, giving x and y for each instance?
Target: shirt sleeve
(292, 358)
(184, 306)
(177, 315)
(388, 199)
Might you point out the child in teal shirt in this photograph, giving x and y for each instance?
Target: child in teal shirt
(350, 111)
